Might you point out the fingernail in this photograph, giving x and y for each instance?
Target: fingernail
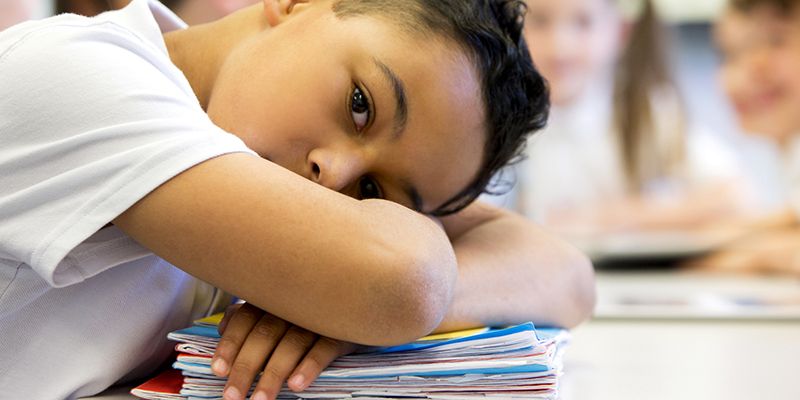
(220, 367)
(231, 393)
(259, 396)
(297, 381)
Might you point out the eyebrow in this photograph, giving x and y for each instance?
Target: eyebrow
(413, 194)
(400, 120)
(401, 106)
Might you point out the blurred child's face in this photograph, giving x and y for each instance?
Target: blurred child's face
(761, 69)
(573, 42)
(321, 96)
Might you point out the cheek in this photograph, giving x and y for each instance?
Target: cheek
(540, 48)
(602, 47)
(729, 81)
(789, 70)
(235, 105)
(278, 107)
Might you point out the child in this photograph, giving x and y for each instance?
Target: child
(760, 44)
(297, 154)
(618, 152)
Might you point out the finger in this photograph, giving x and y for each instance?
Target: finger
(321, 355)
(257, 348)
(229, 311)
(293, 346)
(236, 331)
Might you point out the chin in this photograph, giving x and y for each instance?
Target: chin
(766, 126)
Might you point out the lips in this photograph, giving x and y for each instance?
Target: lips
(760, 102)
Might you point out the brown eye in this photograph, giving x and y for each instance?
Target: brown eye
(369, 189)
(359, 109)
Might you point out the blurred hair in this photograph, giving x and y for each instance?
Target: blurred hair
(783, 6)
(515, 95)
(643, 70)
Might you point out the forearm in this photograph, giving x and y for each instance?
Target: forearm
(365, 272)
(512, 272)
(723, 205)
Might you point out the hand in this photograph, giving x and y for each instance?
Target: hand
(774, 252)
(254, 341)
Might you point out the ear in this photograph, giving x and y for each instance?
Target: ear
(276, 11)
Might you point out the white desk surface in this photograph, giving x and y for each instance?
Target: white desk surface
(636, 359)
(654, 360)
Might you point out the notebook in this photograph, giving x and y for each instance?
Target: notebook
(518, 362)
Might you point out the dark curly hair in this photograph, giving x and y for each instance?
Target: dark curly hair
(515, 95)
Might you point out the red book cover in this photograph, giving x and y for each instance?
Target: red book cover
(166, 385)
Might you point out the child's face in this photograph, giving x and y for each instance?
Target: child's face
(321, 96)
(761, 69)
(573, 42)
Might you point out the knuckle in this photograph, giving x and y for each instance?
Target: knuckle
(314, 362)
(243, 368)
(335, 347)
(273, 374)
(249, 312)
(327, 343)
(267, 328)
(232, 309)
(228, 342)
(298, 338)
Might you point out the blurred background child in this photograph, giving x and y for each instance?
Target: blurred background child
(16, 11)
(193, 12)
(759, 41)
(619, 152)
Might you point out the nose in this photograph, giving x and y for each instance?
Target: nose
(746, 72)
(759, 63)
(336, 169)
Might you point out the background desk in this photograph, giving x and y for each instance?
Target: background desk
(722, 360)
(689, 358)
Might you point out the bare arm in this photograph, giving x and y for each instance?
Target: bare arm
(770, 247)
(369, 272)
(702, 208)
(509, 271)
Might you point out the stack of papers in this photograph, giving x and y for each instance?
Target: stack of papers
(520, 362)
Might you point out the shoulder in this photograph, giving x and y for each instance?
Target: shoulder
(60, 71)
(81, 55)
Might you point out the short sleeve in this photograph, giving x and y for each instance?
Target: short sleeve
(92, 119)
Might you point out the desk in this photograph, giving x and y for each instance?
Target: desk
(690, 358)
(685, 358)
(653, 360)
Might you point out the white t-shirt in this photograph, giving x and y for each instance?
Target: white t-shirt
(575, 161)
(791, 174)
(93, 117)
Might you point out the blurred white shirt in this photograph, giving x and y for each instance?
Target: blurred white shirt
(791, 173)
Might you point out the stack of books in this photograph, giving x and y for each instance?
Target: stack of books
(520, 362)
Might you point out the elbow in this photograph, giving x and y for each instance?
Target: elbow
(429, 290)
(415, 289)
(582, 286)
